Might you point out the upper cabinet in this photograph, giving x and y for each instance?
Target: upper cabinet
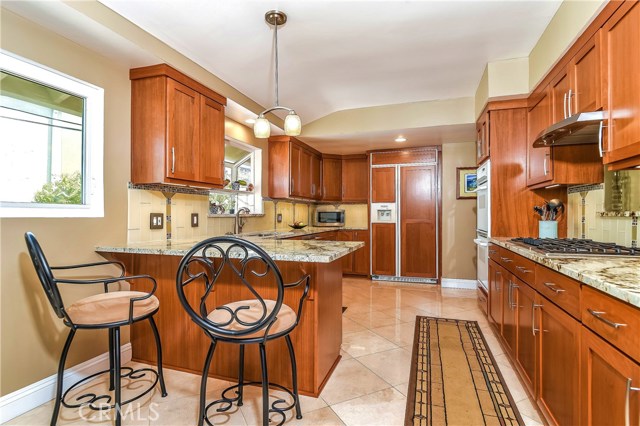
(355, 178)
(331, 178)
(295, 169)
(620, 38)
(482, 138)
(177, 129)
(539, 167)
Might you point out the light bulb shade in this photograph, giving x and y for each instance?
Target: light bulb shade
(292, 124)
(262, 128)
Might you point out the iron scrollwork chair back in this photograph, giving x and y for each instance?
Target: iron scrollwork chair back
(205, 263)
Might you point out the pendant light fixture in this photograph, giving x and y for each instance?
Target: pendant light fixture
(292, 123)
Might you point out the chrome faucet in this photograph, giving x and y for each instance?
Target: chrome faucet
(239, 222)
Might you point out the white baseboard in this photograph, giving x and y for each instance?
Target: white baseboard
(19, 402)
(456, 283)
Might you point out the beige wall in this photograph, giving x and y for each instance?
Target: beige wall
(458, 216)
(31, 337)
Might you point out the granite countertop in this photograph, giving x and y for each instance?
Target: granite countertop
(278, 249)
(291, 233)
(616, 276)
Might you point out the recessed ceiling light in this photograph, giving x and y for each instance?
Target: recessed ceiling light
(401, 139)
(250, 120)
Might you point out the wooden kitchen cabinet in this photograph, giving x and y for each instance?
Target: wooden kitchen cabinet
(316, 176)
(510, 311)
(295, 169)
(558, 374)
(607, 379)
(527, 347)
(355, 178)
(496, 295)
(539, 168)
(560, 92)
(482, 138)
(331, 178)
(347, 261)
(584, 78)
(620, 38)
(383, 255)
(383, 185)
(177, 129)
(361, 256)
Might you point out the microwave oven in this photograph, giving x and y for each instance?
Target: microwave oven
(329, 218)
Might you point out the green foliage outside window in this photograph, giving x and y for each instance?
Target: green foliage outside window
(66, 189)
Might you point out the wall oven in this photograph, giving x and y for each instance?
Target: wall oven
(483, 224)
(325, 217)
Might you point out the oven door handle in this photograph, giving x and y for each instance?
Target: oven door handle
(480, 243)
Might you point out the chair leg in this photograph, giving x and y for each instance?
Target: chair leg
(116, 375)
(203, 383)
(111, 364)
(265, 385)
(63, 359)
(241, 376)
(294, 375)
(163, 388)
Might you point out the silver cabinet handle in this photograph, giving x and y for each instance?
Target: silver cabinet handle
(506, 259)
(553, 287)
(544, 166)
(509, 294)
(173, 159)
(565, 104)
(627, 402)
(569, 103)
(534, 305)
(492, 251)
(523, 269)
(600, 139)
(598, 315)
(497, 285)
(513, 286)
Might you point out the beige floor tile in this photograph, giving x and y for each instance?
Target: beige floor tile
(374, 319)
(350, 326)
(365, 343)
(350, 380)
(402, 388)
(401, 334)
(385, 408)
(345, 355)
(393, 366)
(184, 411)
(322, 417)
(252, 404)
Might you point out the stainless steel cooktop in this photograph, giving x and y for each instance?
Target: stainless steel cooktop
(573, 247)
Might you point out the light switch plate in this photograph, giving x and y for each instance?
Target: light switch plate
(279, 217)
(195, 220)
(156, 221)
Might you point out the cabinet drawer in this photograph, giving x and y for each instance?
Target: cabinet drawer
(494, 252)
(612, 319)
(519, 266)
(560, 289)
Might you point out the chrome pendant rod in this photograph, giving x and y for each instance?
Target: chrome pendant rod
(275, 38)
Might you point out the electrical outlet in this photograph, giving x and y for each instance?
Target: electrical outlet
(156, 221)
(195, 221)
(279, 217)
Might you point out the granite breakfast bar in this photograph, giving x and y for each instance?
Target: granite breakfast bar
(316, 339)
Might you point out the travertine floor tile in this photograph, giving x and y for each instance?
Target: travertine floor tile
(393, 366)
(401, 334)
(385, 407)
(365, 343)
(350, 380)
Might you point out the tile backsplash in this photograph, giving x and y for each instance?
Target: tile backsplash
(586, 218)
(142, 202)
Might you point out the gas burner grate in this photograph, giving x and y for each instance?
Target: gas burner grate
(577, 247)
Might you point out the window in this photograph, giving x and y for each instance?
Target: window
(51, 136)
(242, 172)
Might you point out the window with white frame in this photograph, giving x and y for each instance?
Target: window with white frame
(243, 186)
(51, 137)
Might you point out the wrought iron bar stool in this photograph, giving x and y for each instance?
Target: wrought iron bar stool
(257, 320)
(110, 310)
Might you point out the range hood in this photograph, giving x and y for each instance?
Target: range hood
(579, 129)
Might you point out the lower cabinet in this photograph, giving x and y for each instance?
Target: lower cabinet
(356, 263)
(527, 347)
(496, 273)
(610, 384)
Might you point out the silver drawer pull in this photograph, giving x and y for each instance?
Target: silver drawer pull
(627, 402)
(598, 315)
(553, 287)
(523, 269)
(492, 251)
(506, 259)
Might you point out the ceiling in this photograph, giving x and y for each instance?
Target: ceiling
(334, 55)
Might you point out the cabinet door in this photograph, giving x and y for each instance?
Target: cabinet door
(509, 312)
(183, 106)
(305, 173)
(607, 380)
(355, 179)
(211, 142)
(295, 160)
(621, 77)
(584, 75)
(383, 185)
(316, 174)
(482, 138)
(383, 241)
(496, 274)
(526, 347)
(331, 179)
(361, 256)
(539, 167)
(559, 87)
(347, 261)
(558, 380)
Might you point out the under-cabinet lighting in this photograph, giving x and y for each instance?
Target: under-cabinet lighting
(552, 186)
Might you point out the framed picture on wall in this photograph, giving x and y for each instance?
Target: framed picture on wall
(466, 183)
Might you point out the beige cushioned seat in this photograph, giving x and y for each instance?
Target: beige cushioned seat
(286, 317)
(111, 307)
